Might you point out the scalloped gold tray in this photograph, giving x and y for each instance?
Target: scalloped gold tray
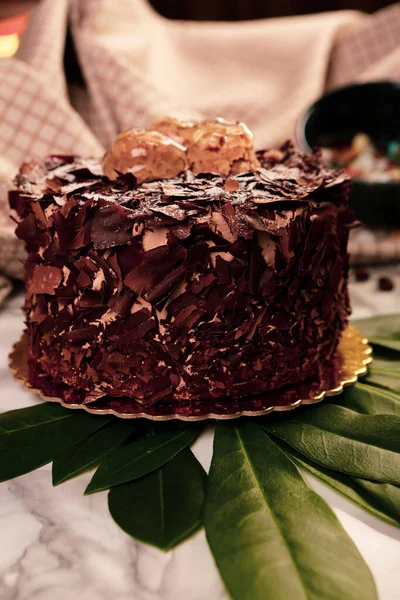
(351, 360)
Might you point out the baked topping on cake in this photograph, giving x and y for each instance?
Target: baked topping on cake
(181, 131)
(148, 155)
(213, 145)
(193, 287)
(222, 147)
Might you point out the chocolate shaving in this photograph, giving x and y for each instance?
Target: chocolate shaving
(44, 280)
(111, 227)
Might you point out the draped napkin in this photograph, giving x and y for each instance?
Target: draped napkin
(137, 66)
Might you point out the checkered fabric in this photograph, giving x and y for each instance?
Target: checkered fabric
(138, 66)
(368, 51)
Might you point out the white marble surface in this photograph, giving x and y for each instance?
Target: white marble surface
(56, 544)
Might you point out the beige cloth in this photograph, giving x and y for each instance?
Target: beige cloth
(138, 65)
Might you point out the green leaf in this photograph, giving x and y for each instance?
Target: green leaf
(386, 495)
(370, 400)
(365, 446)
(33, 436)
(383, 330)
(353, 489)
(390, 381)
(141, 456)
(88, 453)
(386, 326)
(164, 507)
(271, 535)
(385, 373)
(384, 363)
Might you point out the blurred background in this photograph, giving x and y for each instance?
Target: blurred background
(233, 10)
(199, 10)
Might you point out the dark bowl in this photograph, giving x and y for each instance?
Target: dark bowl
(371, 108)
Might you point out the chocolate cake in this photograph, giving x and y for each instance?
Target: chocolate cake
(182, 267)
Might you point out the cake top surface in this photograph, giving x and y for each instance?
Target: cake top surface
(153, 181)
(284, 176)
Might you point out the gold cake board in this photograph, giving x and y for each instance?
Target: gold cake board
(351, 361)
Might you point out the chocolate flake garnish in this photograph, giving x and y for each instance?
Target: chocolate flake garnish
(44, 279)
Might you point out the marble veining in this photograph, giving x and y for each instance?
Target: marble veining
(57, 544)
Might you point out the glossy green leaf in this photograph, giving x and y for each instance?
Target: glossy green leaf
(385, 373)
(384, 379)
(164, 507)
(386, 326)
(366, 446)
(387, 495)
(141, 456)
(383, 330)
(32, 437)
(381, 362)
(88, 453)
(369, 400)
(271, 535)
(353, 489)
